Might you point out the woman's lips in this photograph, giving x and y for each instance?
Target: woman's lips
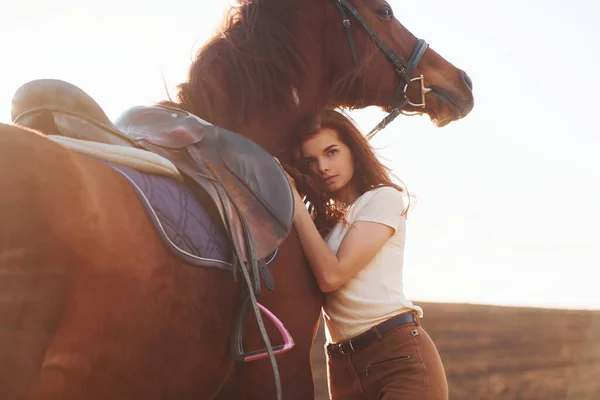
(329, 180)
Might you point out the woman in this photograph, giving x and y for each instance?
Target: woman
(376, 347)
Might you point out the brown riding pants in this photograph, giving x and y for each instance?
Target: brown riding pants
(402, 365)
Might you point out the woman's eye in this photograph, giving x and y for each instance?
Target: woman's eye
(332, 152)
(385, 12)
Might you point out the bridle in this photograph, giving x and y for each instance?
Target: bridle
(403, 68)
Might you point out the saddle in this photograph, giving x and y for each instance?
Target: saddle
(243, 181)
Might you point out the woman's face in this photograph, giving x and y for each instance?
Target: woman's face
(329, 159)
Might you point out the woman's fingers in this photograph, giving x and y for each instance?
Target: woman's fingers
(290, 179)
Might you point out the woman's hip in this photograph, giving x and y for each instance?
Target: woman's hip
(403, 363)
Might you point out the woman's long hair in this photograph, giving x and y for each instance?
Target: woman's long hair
(369, 172)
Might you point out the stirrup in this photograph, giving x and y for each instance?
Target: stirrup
(288, 341)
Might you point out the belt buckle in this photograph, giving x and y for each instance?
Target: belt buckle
(341, 348)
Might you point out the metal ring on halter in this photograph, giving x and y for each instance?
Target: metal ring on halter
(424, 91)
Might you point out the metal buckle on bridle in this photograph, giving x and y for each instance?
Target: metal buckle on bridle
(424, 91)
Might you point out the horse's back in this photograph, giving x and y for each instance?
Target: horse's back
(33, 275)
(90, 296)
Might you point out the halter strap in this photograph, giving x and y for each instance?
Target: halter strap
(347, 29)
(404, 69)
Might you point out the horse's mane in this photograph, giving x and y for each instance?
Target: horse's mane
(249, 67)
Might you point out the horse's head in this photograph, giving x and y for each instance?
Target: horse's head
(377, 61)
(274, 60)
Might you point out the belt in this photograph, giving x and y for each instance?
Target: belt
(372, 335)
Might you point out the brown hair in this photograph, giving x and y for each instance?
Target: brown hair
(251, 65)
(369, 172)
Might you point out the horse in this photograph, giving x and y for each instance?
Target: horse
(95, 306)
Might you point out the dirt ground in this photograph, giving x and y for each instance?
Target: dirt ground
(507, 353)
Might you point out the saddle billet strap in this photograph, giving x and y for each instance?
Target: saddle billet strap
(265, 272)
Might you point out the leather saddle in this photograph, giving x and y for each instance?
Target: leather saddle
(245, 183)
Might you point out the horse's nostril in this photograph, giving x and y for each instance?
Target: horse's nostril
(468, 81)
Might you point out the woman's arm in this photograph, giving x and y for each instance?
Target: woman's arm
(360, 245)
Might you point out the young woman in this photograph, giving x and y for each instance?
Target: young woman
(376, 347)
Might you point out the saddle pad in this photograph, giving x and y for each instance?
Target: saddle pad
(182, 221)
(138, 159)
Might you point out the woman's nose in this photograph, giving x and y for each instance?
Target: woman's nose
(323, 167)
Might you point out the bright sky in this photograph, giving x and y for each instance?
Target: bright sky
(508, 210)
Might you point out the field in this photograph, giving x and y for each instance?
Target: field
(507, 353)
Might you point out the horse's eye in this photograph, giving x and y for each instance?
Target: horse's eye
(385, 12)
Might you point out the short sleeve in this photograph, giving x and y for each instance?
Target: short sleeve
(385, 206)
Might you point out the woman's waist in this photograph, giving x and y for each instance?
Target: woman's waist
(343, 324)
(375, 333)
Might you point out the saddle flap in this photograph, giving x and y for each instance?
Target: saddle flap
(256, 169)
(268, 225)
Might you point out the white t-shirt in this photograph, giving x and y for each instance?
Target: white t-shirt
(375, 293)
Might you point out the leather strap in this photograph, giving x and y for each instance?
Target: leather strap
(364, 340)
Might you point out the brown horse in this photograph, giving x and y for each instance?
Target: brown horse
(94, 306)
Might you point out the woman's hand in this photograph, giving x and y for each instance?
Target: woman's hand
(300, 207)
(289, 178)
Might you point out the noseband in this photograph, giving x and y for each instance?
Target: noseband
(403, 68)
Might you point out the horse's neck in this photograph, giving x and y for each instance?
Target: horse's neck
(273, 124)
(271, 131)
(272, 128)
